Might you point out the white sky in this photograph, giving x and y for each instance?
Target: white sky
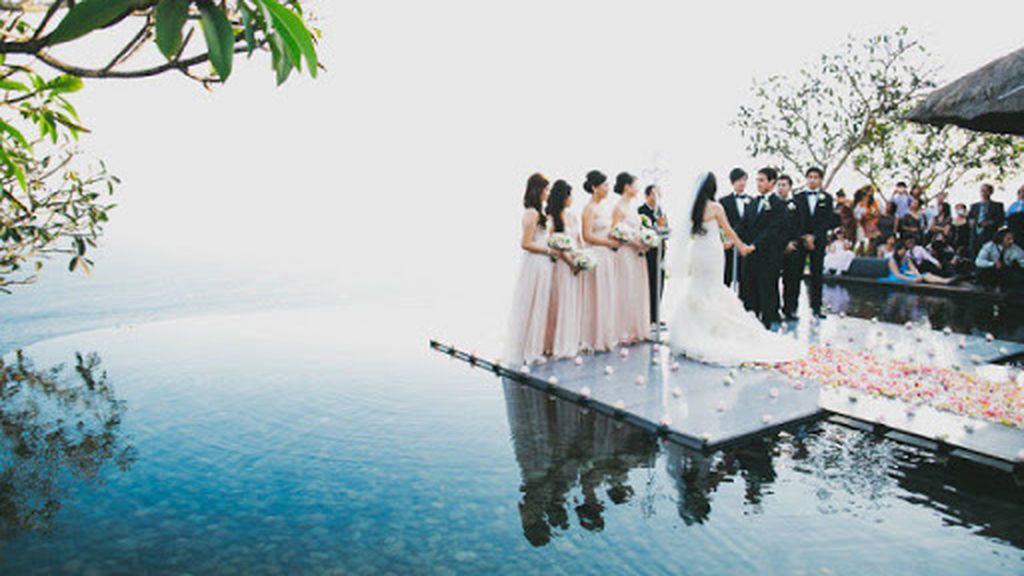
(404, 164)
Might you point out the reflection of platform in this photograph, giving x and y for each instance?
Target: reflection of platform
(708, 407)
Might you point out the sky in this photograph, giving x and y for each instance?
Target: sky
(402, 166)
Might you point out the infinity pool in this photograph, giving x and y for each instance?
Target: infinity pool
(322, 440)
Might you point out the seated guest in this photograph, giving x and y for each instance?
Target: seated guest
(961, 233)
(923, 259)
(903, 271)
(944, 253)
(838, 254)
(886, 249)
(1000, 262)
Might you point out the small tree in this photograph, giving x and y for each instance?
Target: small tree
(52, 199)
(847, 112)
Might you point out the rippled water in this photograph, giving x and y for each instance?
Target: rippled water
(332, 440)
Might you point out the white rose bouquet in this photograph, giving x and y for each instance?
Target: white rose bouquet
(623, 233)
(583, 260)
(649, 238)
(560, 241)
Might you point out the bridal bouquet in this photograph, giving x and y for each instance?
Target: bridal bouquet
(645, 221)
(623, 233)
(560, 241)
(583, 260)
(649, 238)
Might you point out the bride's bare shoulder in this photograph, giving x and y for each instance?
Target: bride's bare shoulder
(712, 210)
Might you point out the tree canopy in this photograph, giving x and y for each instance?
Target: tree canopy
(54, 198)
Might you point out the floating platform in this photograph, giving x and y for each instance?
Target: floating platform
(710, 407)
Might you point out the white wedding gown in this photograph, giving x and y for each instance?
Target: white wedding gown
(709, 323)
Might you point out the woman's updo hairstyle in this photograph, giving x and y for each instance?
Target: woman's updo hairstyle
(622, 180)
(594, 179)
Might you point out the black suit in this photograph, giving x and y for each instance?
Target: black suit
(792, 262)
(982, 229)
(731, 204)
(656, 285)
(765, 229)
(818, 224)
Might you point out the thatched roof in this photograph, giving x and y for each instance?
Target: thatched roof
(990, 99)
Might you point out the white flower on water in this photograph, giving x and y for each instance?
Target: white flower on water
(721, 406)
(620, 405)
(989, 337)
(963, 343)
(585, 392)
(706, 436)
(578, 360)
(975, 359)
(767, 418)
(665, 421)
(774, 392)
(947, 330)
(640, 380)
(1020, 455)
(552, 380)
(674, 366)
(1003, 350)
(874, 319)
(624, 352)
(728, 380)
(677, 391)
(609, 370)
(525, 369)
(909, 325)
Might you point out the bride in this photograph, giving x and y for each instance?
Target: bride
(709, 323)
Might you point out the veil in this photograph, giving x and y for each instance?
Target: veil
(681, 250)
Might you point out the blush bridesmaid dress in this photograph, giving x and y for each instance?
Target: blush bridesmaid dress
(528, 319)
(599, 330)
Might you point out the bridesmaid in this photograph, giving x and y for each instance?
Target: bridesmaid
(599, 330)
(564, 313)
(634, 297)
(528, 322)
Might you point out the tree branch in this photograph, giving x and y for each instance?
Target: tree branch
(182, 65)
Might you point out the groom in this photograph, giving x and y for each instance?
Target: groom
(817, 219)
(764, 222)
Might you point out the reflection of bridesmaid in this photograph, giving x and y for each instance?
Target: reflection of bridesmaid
(563, 340)
(560, 449)
(528, 322)
(634, 297)
(599, 331)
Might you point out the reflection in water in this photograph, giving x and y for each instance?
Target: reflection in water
(560, 446)
(961, 312)
(55, 427)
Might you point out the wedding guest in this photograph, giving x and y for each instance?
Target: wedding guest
(869, 214)
(887, 248)
(1000, 261)
(1015, 217)
(563, 338)
(792, 257)
(656, 220)
(839, 254)
(817, 219)
(861, 243)
(984, 218)
(941, 222)
(634, 307)
(735, 205)
(935, 210)
(961, 233)
(923, 260)
(911, 225)
(941, 250)
(764, 224)
(844, 212)
(528, 322)
(917, 193)
(600, 287)
(901, 198)
(903, 271)
(888, 224)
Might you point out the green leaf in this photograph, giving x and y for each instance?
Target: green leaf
(86, 16)
(220, 38)
(278, 57)
(12, 85)
(4, 126)
(291, 26)
(250, 37)
(170, 16)
(64, 84)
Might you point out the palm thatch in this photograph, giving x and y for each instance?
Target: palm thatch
(990, 99)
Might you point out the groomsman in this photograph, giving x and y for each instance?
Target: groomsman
(735, 205)
(651, 208)
(792, 256)
(764, 222)
(817, 219)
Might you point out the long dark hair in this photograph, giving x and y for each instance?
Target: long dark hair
(594, 179)
(532, 198)
(704, 195)
(622, 180)
(559, 195)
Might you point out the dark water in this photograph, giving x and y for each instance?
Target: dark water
(332, 440)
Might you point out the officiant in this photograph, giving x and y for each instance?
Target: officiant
(654, 217)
